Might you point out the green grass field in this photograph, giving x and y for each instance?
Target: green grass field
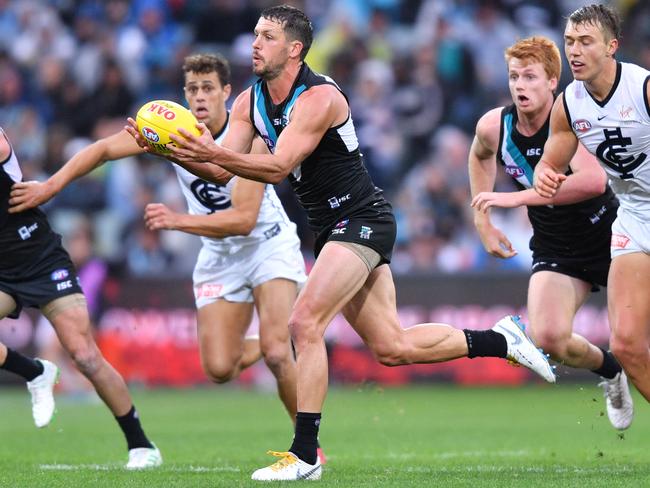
(426, 436)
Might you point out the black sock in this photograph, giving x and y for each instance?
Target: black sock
(485, 343)
(130, 425)
(610, 366)
(23, 366)
(305, 442)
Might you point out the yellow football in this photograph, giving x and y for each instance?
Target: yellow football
(159, 118)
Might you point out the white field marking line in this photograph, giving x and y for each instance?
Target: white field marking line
(460, 454)
(120, 467)
(522, 469)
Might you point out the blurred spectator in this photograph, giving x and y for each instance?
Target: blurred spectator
(414, 71)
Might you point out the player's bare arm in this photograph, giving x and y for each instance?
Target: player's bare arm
(211, 173)
(5, 148)
(239, 138)
(30, 194)
(316, 110)
(239, 219)
(482, 175)
(558, 151)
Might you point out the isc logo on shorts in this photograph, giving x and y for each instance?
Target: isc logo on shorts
(64, 285)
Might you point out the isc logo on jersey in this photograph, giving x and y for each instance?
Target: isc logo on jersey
(158, 119)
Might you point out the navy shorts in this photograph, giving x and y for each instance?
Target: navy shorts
(372, 226)
(50, 276)
(593, 271)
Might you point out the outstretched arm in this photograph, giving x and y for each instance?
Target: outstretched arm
(482, 175)
(316, 110)
(560, 147)
(239, 219)
(30, 194)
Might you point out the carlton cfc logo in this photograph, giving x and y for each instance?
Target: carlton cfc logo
(150, 134)
(211, 195)
(581, 125)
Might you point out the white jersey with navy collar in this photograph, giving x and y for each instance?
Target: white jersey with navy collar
(617, 131)
(204, 197)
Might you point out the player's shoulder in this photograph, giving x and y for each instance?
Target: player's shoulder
(321, 96)
(5, 147)
(489, 124)
(242, 102)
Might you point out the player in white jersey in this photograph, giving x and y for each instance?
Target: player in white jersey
(607, 109)
(571, 237)
(250, 255)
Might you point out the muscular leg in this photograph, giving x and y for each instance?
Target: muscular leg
(373, 314)
(553, 301)
(221, 328)
(629, 316)
(340, 280)
(72, 325)
(7, 305)
(274, 301)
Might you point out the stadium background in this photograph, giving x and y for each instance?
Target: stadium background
(418, 74)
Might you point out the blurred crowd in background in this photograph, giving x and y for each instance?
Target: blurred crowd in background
(418, 74)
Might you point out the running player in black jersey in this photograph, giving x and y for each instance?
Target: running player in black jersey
(570, 240)
(607, 109)
(36, 271)
(305, 121)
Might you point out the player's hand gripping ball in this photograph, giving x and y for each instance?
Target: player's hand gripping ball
(159, 118)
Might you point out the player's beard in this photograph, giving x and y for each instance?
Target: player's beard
(270, 71)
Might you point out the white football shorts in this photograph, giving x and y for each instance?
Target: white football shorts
(232, 275)
(629, 235)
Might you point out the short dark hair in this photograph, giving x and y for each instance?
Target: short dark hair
(295, 24)
(601, 16)
(208, 63)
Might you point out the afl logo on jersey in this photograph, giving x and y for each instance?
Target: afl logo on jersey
(514, 171)
(581, 125)
(211, 195)
(269, 142)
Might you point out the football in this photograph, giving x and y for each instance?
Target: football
(159, 118)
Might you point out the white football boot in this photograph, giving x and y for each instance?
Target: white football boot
(41, 389)
(144, 458)
(288, 468)
(522, 350)
(620, 408)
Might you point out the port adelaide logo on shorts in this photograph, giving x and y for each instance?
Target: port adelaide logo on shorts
(365, 232)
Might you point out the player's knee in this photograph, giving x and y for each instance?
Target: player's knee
(627, 349)
(219, 371)
(304, 330)
(276, 356)
(552, 344)
(87, 358)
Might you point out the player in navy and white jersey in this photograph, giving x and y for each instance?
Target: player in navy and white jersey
(306, 123)
(607, 109)
(36, 271)
(250, 254)
(571, 232)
